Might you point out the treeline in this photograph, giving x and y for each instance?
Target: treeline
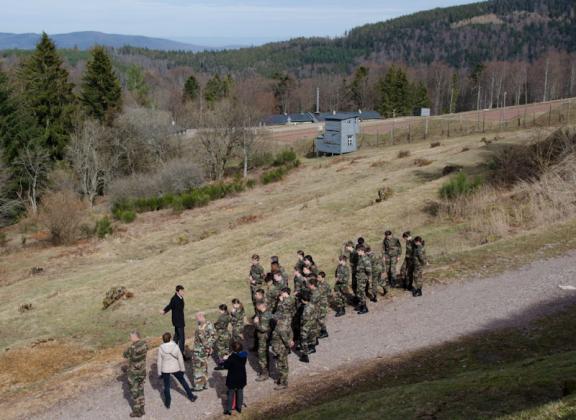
(505, 30)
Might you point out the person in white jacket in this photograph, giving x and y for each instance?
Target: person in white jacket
(171, 362)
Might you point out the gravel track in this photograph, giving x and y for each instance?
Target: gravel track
(392, 327)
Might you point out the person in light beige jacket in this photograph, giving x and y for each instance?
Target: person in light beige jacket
(171, 362)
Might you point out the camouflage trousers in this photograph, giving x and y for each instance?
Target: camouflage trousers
(406, 271)
(322, 315)
(282, 365)
(263, 352)
(376, 282)
(417, 276)
(340, 295)
(390, 270)
(136, 386)
(200, 369)
(362, 284)
(222, 344)
(307, 338)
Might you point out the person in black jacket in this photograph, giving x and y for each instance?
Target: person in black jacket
(176, 305)
(236, 378)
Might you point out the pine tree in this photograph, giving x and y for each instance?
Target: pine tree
(420, 97)
(47, 96)
(217, 89)
(136, 84)
(358, 87)
(7, 113)
(394, 94)
(101, 92)
(191, 88)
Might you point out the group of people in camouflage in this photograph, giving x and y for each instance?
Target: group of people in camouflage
(294, 319)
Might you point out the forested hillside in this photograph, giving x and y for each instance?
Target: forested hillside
(460, 36)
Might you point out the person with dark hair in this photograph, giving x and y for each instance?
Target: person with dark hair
(275, 266)
(309, 262)
(222, 344)
(176, 305)
(236, 378)
(237, 316)
(325, 291)
(406, 270)
(263, 328)
(363, 273)
(392, 250)
(307, 327)
(274, 290)
(256, 277)
(300, 263)
(341, 285)
(418, 262)
(171, 362)
(286, 307)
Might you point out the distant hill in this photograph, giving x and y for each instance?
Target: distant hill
(460, 36)
(86, 40)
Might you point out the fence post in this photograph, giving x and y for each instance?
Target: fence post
(525, 112)
(550, 116)
(426, 128)
(448, 129)
(409, 131)
(483, 122)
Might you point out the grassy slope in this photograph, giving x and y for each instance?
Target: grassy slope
(516, 374)
(317, 208)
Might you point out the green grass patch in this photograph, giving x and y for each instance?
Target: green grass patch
(460, 185)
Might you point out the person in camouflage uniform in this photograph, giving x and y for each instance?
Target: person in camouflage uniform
(282, 341)
(274, 290)
(325, 293)
(392, 249)
(315, 299)
(406, 269)
(341, 285)
(237, 315)
(300, 262)
(299, 282)
(222, 344)
(286, 307)
(204, 338)
(376, 278)
(418, 262)
(309, 262)
(307, 326)
(363, 273)
(136, 373)
(275, 266)
(263, 327)
(257, 276)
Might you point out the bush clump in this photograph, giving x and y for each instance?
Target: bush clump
(285, 157)
(459, 186)
(403, 154)
(62, 213)
(103, 227)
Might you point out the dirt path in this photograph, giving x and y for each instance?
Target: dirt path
(393, 326)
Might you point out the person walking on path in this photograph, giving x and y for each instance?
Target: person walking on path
(176, 305)
(171, 362)
(136, 355)
(236, 378)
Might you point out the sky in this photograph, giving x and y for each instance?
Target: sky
(214, 21)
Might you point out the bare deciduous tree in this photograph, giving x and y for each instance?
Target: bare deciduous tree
(33, 164)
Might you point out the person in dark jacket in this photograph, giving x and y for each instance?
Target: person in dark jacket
(176, 305)
(236, 378)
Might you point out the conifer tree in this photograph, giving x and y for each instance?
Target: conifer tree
(420, 97)
(217, 89)
(101, 93)
(136, 84)
(191, 89)
(47, 96)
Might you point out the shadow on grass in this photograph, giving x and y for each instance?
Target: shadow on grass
(510, 365)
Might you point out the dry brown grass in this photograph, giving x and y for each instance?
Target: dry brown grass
(422, 162)
(62, 213)
(403, 154)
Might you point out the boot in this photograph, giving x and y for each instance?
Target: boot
(340, 312)
(415, 292)
(134, 414)
(311, 349)
(304, 358)
(263, 376)
(219, 367)
(373, 299)
(419, 292)
(323, 333)
(363, 310)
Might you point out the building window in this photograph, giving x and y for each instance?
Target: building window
(350, 140)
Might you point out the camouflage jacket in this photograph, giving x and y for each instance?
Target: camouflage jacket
(136, 355)
(273, 293)
(237, 317)
(325, 292)
(419, 257)
(316, 298)
(282, 336)
(299, 265)
(314, 269)
(299, 283)
(286, 308)
(364, 267)
(221, 324)
(409, 250)
(204, 338)
(343, 275)
(392, 247)
(263, 325)
(376, 262)
(257, 273)
(284, 277)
